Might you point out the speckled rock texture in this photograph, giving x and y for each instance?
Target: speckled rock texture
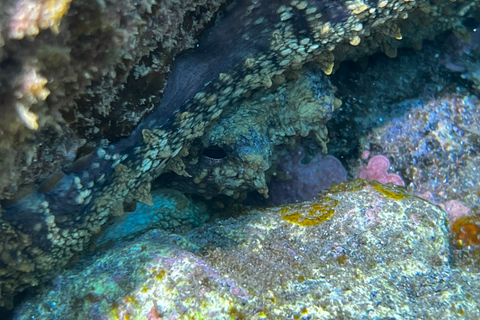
(427, 126)
(436, 147)
(50, 223)
(362, 250)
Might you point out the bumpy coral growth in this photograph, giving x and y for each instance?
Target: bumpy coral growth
(455, 209)
(31, 90)
(31, 16)
(377, 170)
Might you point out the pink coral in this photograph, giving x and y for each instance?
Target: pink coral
(377, 170)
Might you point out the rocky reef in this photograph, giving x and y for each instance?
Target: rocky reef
(95, 74)
(361, 250)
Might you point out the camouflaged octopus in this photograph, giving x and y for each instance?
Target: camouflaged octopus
(252, 43)
(235, 155)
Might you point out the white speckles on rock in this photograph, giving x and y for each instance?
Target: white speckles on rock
(153, 154)
(101, 178)
(282, 9)
(312, 48)
(259, 21)
(114, 164)
(78, 182)
(355, 41)
(357, 27)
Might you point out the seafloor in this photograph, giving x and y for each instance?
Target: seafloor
(346, 190)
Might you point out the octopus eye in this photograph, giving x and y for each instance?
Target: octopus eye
(214, 155)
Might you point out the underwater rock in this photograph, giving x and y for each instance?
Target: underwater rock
(377, 169)
(362, 250)
(259, 40)
(428, 129)
(435, 147)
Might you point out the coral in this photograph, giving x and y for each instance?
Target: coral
(31, 16)
(455, 209)
(31, 90)
(377, 170)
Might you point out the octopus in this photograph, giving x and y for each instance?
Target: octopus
(250, 45)
(237, 154)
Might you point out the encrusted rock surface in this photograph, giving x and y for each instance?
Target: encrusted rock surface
(260, 41)
(362, 250)
(427, 126)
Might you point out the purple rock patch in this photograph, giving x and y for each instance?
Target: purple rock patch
(303, 182)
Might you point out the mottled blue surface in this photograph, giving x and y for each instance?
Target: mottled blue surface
(171, 210)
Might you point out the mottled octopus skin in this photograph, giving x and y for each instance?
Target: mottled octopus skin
(266, 124)
(254, 41)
